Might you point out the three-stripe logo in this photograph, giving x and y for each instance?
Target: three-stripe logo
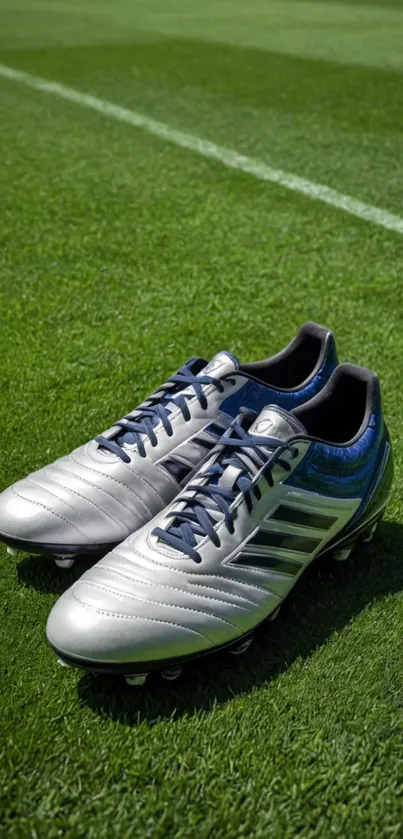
(280, 550)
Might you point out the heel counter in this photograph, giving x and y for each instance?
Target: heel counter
(389, 470)
(379, 492)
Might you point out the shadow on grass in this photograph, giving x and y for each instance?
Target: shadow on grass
(327, 598)
(42, 573)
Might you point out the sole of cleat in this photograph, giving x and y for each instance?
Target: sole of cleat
(274, 614)
(131, 669)
(52, 550)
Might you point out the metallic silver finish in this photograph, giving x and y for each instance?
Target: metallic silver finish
(146, 602)
(91, 499)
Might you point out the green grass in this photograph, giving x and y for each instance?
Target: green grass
(122, 256)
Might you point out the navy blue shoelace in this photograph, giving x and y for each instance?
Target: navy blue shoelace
(195, 520)
(148, 416)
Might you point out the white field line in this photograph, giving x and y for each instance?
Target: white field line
(228, 157)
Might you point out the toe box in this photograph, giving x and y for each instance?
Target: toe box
(32, 517)
(25, 516)
(98, 628)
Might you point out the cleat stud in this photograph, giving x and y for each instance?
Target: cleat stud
(342, 554)
(242, 647)
(368, 535)
(136, 680)
(64, 562)
(64, 663)
(275, 614)
(172, 673)
(12, 551)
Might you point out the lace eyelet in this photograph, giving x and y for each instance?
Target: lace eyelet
(295, 453)
(231, 381)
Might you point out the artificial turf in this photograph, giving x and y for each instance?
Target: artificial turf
(120, 257)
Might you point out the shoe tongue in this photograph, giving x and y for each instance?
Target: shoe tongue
(276, 422)
(220, 365)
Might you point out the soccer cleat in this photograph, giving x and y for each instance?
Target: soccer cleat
(279, 490)
(91, 500)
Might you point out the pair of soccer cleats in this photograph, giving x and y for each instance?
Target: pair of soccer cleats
(207, 503)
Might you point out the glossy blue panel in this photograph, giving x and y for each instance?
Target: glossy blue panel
(255, 395)
(342, 471)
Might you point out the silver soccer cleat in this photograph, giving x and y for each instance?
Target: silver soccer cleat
(279, 491)
(94, 498)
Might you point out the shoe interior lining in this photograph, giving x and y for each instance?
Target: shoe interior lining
(339, 412)
(291, 367)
